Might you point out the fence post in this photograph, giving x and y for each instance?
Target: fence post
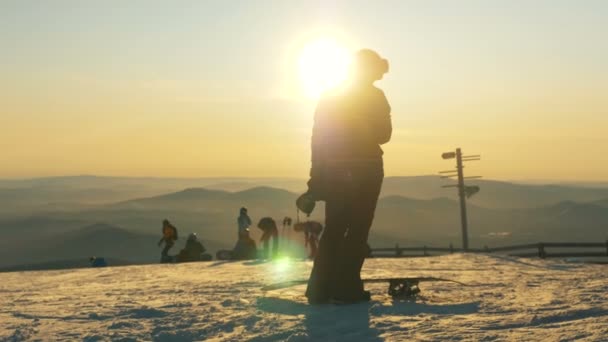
(486, 248)
(424, 251)
(397, 250)
(606, 247)
(452, 248)
(541, 250)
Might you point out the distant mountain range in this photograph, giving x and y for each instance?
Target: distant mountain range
(81, 192)
(128, 228)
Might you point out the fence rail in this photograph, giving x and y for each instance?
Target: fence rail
(540, 250)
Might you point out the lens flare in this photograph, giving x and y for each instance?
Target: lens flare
(322, 65)
(282, 265)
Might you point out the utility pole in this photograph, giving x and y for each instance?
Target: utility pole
(463, 203)
(464, 191)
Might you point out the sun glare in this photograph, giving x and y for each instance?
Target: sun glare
(322, 65)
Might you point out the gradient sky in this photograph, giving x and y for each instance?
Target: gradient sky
(209, 88)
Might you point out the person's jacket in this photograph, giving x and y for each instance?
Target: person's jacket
(244, 222)
(350, 125)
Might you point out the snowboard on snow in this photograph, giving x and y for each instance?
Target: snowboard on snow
(397, 287)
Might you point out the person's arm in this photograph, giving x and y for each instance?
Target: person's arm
(317, 151)
(381, 124)
(161, 240)
(317, 140)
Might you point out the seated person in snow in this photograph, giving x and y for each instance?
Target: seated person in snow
(245, 248)
(192, 251)
(269, 227)
(169, 237)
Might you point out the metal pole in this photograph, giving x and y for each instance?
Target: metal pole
(463, 204)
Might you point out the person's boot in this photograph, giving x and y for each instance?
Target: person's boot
(319, 289)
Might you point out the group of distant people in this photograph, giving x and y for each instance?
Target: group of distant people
(245, 247)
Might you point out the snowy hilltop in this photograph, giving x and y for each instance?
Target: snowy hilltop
(507, 299)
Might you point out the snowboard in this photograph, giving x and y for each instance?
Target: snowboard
(397, 287)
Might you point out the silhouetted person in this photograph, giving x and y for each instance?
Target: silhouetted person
(193, 249)
(245, 247)
(243, 221)
(346, 172)
(269, 227)
(169, 236)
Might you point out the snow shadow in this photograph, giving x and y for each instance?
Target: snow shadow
(411, 308)
(354, 320)
(398, 308)
(220, 263)
(349, 322)
(547, 266)
(256, 262)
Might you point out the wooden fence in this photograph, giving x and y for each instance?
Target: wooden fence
(526, 250)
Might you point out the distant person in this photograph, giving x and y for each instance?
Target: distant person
(245, 248)
(270, 231)
(193, 251)
(169, 237)
(243, 221)
(97, 262)
(346, 172)
(312, 230)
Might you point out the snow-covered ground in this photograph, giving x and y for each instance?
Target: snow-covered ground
(509, 299)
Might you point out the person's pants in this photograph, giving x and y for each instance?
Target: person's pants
(351, 196)
(168, 245)
(312, 242)
(274, 235)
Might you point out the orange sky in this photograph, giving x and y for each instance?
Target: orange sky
(201, 89)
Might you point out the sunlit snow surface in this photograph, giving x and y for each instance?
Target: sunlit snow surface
(509, 299)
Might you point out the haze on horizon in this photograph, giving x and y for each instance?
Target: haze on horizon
(200, 89)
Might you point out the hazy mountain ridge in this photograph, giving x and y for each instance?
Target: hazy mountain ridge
(493, 194)
(212, 214)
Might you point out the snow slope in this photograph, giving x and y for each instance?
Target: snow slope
(509, 299)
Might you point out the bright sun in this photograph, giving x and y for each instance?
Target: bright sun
(322, 65)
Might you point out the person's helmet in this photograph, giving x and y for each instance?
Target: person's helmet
(192, 237)
(369, 62)
(243, 210)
